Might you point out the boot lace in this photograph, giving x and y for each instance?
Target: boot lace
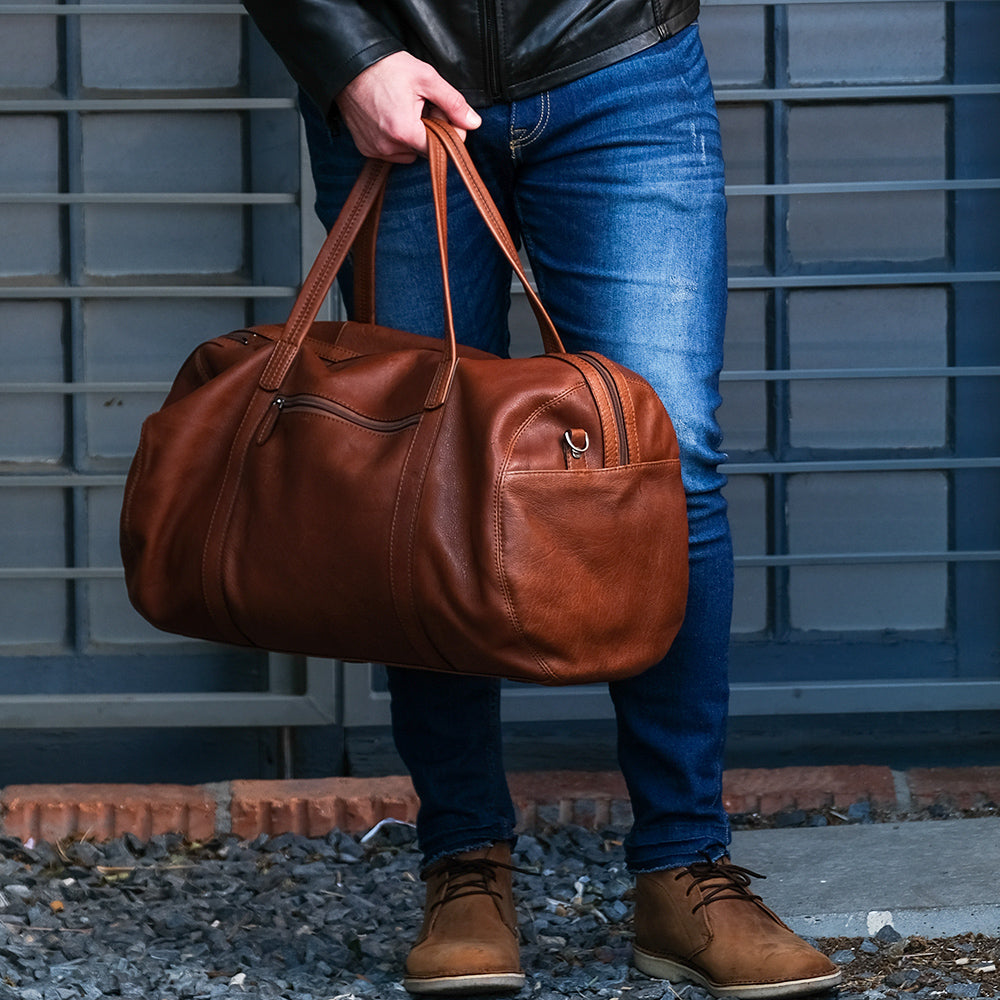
(470, 877)
(730, 882)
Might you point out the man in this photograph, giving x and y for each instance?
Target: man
(593, 124)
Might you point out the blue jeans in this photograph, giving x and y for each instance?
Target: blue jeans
(614, 184)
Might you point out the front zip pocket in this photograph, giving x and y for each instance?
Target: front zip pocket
(310, 403)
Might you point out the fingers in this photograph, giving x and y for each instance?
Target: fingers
(383, 105)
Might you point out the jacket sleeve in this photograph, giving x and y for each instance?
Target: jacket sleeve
(323, 43)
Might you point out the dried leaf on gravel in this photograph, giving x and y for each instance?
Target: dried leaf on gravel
(917, 963)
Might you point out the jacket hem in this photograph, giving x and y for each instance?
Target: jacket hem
(590, 64)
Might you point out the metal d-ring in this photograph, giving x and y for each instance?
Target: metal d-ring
(575, 451)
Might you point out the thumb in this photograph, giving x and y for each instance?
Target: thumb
(453, 106)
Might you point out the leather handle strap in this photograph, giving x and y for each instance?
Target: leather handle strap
(366, 193)
(357, 225)
(364, 245)
(363, 255)
(446, 135)
(443, 145)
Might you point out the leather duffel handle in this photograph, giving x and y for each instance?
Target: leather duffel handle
(357, 225)
(364, 245)
(449, 142)
(443, 144)
(366, 193)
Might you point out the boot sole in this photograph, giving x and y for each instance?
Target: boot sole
(664, 968)
(465, 986)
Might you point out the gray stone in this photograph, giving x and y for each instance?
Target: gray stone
(859, 812)
(795, 817)
(888, 934)
(293, 918)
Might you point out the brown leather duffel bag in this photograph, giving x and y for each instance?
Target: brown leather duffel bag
(347, 490)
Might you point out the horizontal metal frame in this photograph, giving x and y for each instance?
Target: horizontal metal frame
(58, 105)
(866, 558)
(837, 374)
(318, 705)
(843, 279)
(862, 187)
(147, 198)
(67, 480)
(82, 388)
(103, 9)
(147, 291)
(793, 466)
(63, 480)
(852, 92)
(278, 198)
(528, 703)
(723, 95)
(805, 559)
(836, 280)
(857, 697)
(790, 698)
(791, 375)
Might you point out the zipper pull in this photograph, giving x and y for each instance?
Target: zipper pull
(271, 415)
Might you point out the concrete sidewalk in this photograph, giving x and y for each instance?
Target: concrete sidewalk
(931, 878)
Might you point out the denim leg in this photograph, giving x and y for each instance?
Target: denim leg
(446, 728)
(616, 181)
(620, 195)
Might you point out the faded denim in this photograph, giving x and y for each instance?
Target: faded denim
(614, 185)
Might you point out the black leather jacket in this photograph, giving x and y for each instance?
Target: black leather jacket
(490, 50)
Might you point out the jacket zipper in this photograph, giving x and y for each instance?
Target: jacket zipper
(616, 403)
(491, 44)
(320, 404)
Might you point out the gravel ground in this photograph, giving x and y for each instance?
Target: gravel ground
(298, 919)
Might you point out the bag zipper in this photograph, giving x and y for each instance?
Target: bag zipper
(307, 402)
(616, 403)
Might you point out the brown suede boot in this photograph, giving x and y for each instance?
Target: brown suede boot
(703, 924)
(468, 943)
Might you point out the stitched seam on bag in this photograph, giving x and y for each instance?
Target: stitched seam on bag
(225, 529)
(411, 542)
(498, 521)
(536, 414)
(409, 619)
(199, 363)
(515, 621)
(608, 470)
(631, 422)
